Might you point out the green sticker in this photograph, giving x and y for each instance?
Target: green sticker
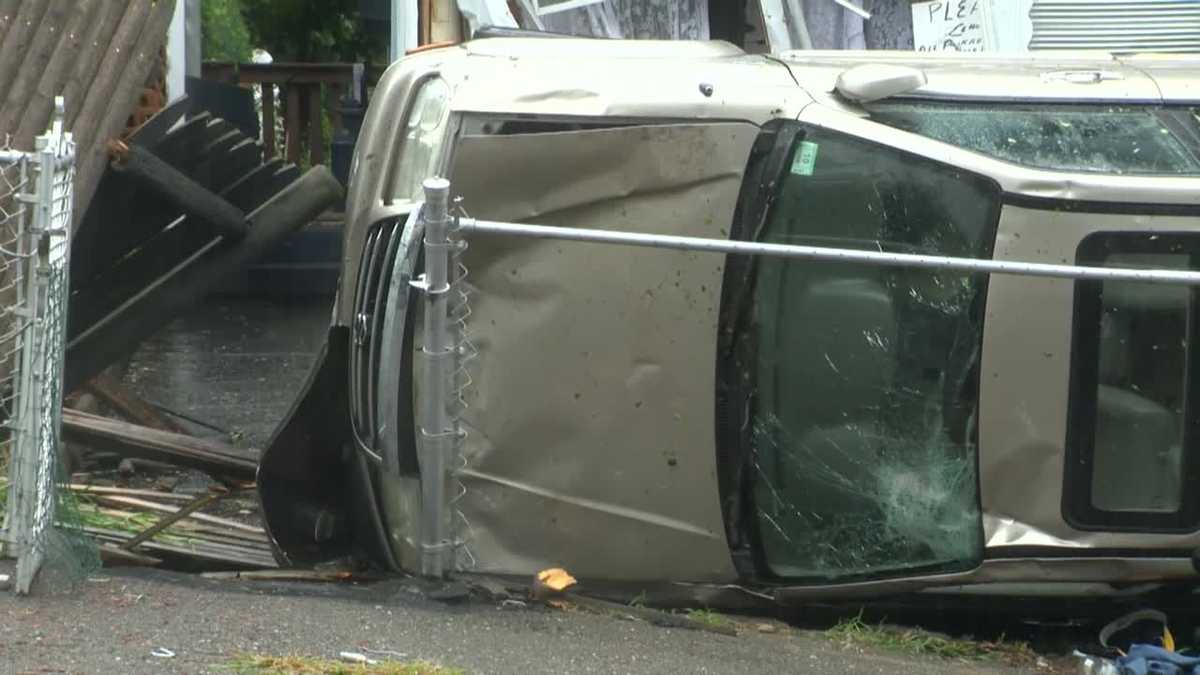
(805, 160)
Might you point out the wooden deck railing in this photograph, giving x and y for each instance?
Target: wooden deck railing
(301, 85)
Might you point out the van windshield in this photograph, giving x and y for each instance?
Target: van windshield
(1094, 139)
(863, 379)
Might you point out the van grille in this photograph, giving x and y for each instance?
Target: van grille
(374, 276)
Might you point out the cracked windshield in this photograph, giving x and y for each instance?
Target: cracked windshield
(1094, 139)
(441, 337)
(865, 377)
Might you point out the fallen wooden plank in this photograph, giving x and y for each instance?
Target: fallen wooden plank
(166, 508)
(166, 521)
(286, 575)
(184, 532)
(110, 554)
(226, 533)
(190, 528)
(200, 550)
(261, 546)
(212, 457)
(192, 198)
(128, 492)
(114, 392)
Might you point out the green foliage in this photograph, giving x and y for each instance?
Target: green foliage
(311, 31)
(226, 35)
(307, 31)
(709, 618)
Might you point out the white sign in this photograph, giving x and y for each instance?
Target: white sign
(950, 26)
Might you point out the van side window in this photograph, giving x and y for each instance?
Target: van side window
(865, 378)
(1132, 420)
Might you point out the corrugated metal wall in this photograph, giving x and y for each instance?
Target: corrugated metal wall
(1117, 25)
(95, 53)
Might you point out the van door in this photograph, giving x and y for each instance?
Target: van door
(851, 390)
(1089, 418)
(1072, 402)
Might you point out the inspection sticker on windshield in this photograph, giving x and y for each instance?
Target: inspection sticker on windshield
(805, 159)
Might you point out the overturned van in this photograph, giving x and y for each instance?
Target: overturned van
(788, 429)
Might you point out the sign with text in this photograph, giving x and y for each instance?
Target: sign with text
(950, 26)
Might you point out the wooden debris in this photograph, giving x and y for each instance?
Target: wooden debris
(114, 392)
(214, 458)
(113, 555)
(186, 529)
(285, 575)
(165, 508)
(135, 527)
(166, 521)
(194, 548)
(189, 196)
(128, 492)
(94, 345)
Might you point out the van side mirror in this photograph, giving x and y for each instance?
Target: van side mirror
(873, 81)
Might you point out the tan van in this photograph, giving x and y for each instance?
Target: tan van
(657, 419)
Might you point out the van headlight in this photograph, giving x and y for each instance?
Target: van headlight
(422, 142)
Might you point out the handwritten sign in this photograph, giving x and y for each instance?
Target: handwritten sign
(949, 26)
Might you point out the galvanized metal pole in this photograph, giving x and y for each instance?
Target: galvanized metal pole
(439, 353)
(1186, 277)
(36, 488)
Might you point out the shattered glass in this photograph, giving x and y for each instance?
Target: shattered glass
(1105, 139)
(865, 378)
(909, 504)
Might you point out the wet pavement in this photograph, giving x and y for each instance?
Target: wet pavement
(236, 363)
(114, 624)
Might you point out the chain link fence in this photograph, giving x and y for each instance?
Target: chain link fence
(35, 228)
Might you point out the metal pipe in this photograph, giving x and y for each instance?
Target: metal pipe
(851, 7)
(469, 226)
(437, 433)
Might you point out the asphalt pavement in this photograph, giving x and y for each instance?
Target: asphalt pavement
(114, 621)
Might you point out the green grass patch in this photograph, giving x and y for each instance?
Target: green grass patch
(710, 618)
(252, 664)
(917, 642)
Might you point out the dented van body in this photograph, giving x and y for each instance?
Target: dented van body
(778, 430)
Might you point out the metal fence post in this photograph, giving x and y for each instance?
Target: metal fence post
(41, 254)
(438, 432)
(14, 247)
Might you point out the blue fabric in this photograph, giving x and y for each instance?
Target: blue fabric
(1151, 660)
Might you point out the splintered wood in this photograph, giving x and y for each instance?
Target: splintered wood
(137, 527)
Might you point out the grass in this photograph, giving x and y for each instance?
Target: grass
(709, 617)
(251, 664)
(916, 642)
